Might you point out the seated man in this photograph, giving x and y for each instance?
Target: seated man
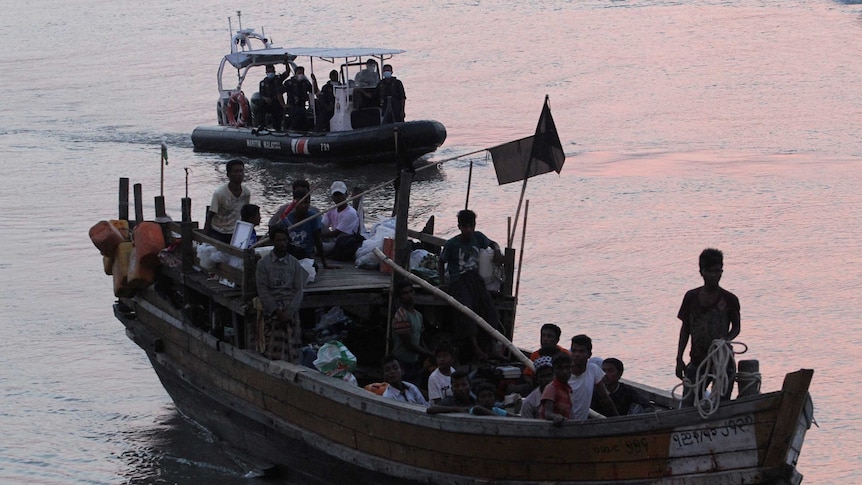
(340, 226)
(305, 233)
(586, 382)
(461, 256)
(280, 282)
(626, 398)
(284, 209)
(549, 346)
(367, 78)
(399, 389)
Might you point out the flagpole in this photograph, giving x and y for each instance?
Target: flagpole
(526, 177)
(469, 182)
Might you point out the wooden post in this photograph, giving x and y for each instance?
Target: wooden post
(139, 204)
(187, 249)
(401, 251)
(124, 199)
(159, 201)
(748, 378)
(186, 204)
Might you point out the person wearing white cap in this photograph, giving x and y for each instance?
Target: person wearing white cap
(340, 225)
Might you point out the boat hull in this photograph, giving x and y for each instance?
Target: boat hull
(365, 145)
(299, 418)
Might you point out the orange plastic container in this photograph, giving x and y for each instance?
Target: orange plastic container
(149, 240)
(388, 250)
(123, 227)
(120, 270)
(106, 237)
(140, 275)
(108, 264)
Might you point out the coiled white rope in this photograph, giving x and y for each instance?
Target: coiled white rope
(712, 370)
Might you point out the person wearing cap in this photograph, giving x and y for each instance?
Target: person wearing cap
(544, 371)
(392, 96)
(340, 224)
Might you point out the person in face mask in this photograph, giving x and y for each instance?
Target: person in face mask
(297, 89)
(392, 97)
(271, 100)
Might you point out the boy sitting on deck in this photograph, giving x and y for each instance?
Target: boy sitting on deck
(399, 389)
(460, 401)
(486, 405)
(440, 382)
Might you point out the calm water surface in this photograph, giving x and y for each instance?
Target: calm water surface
(732, 124)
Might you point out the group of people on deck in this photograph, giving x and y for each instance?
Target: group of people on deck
(284, 100)
(564, 384)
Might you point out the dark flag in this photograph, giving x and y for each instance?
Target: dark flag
(534, 155)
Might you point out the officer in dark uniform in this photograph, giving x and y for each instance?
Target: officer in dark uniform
(297, 89)
(271, 99)
(325, 104)
(392, 97)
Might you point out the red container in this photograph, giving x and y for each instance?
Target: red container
(149, 240)
(106, 237)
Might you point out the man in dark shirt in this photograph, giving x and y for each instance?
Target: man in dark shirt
(297, 90)
(271, 100)
(392, 98)
(325, 106)
(708, 312)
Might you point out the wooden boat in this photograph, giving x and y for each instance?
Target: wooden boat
(197, 333)
(355, 133)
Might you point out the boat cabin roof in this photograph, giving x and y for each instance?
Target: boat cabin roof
(275, 55)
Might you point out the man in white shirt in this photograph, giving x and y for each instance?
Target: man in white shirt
(227, 203)
(586, 381)
(399, 389)
(339, 222)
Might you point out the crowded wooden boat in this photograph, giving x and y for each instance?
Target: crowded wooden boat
(202, 331)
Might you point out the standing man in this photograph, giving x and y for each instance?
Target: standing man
(272, 101)
(297, 89)
(461, 256)
(280, 282)
(227, 203)
(325, 105)
(392, 97)
(407, 333)
(707, 313)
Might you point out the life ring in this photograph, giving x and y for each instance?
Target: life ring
(238, 112)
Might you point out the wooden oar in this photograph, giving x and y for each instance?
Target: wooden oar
(515, 351)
